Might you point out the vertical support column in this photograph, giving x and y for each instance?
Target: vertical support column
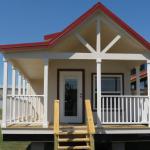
(19, 93)
(137, 81)
(27, 88)
(13, 106)
(148, 88)
(13, 81)
(5, 80)
(46, 68)
(24, 86)
(98, 63)
(148, 78)
(19, 84)
(98, 35)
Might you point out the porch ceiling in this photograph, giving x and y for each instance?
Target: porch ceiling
(31, 68)
(122, 65)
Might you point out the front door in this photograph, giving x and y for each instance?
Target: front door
(70, 91)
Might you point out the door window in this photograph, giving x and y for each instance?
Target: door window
(70, 97)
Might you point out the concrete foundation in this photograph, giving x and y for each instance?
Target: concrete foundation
(118, 146)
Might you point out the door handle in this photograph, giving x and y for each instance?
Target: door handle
(80, 95)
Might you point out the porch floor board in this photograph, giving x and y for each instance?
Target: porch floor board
(77, 126)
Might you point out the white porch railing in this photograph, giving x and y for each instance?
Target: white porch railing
(125, 109)
(25, 109)
(115, 109)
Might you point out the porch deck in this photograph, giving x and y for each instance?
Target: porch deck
(104, 129)
(76, 126)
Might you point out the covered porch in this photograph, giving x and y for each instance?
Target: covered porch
(93, 61)
(31, 103)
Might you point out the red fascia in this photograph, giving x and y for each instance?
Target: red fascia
(51, 36)
(24, 45)
(57, 36)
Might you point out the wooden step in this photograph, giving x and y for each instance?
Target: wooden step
(73, 127)
(73, 132)
(73, 147)
(73, 140)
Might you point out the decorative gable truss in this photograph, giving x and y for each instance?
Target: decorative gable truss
(98, 40)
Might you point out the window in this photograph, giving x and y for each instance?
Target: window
(110, 85)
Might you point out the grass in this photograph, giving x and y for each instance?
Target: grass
(11, 145)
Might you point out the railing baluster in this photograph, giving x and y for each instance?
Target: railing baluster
(103, 109)
(147, 110)
(122, 108)
(18, 109)
(111, 110)
(23, 109)
(35, 108)
(10, 105)
(13, 108)
(134, 110)
(24, 112)
(115, 109)
(27, 104)
(119, 109)
(32, 109)
(40, 109)
(107, 109)
(126, 99)
(138, 109)
(142, 113)
(130, 109)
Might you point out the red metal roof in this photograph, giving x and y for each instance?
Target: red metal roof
(57, 36)
(51, 36)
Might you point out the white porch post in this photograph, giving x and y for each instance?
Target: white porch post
(13, 81)
(19, 93)
(98, 36)
(27, 88)
(148, 78)
(13, 103)
(19, 84)
(98, 63)
(24, 85)
(46, 68)
(137, 81)
(148, 86)
(5, 80)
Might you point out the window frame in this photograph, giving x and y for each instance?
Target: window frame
(93, 92)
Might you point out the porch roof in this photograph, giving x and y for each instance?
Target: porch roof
(52, 39)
